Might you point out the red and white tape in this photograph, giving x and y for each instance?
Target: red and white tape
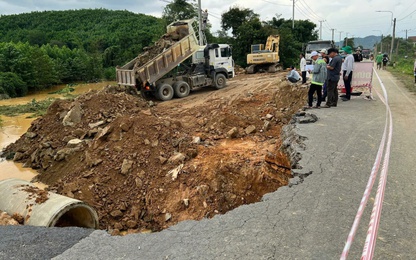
(370, 242)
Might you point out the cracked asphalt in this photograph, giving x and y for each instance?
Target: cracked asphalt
(309, 220)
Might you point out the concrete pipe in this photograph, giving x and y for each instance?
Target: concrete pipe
(43, 208)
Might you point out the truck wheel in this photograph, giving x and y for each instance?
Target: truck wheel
(164, 92)
(220, 81)
(181, 89)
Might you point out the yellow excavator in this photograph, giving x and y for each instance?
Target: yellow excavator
(264, 58)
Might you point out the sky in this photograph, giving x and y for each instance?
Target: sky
(352, 18)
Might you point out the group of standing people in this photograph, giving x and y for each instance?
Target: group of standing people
(382, 59)
(326, 74)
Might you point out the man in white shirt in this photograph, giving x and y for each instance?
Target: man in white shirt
(302, 67)
(293, 75)
(348, 68)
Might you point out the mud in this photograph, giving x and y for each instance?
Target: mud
(146, 165)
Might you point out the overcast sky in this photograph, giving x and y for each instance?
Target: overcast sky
(356, 17)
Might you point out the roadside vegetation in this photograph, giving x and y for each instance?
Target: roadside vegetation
(34, 108)
(401, 65)
(40, 49)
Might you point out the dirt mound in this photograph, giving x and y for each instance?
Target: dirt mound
(147, 167)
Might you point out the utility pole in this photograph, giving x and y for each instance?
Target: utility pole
(340, 39)
(293, 15)
(320, 29)
(332, 34)
(201, 40)
(392, 39)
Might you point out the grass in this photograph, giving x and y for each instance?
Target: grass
(403, 72)
(35, 108)
(66, 90)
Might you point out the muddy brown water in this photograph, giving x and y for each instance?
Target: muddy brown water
(14, 127)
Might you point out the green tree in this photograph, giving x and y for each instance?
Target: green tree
(235, 17)
(179, 10)
(12, 85)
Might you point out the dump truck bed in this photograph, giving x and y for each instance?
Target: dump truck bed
(162, 64)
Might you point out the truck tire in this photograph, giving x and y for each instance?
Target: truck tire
(220, 81)
(164, 92)
(181, 89)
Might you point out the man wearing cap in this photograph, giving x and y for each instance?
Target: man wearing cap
(318, 79)
(347, 73)
(334, 69)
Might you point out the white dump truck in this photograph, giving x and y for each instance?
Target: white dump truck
(211, 65)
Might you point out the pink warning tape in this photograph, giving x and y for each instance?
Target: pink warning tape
(373, 226)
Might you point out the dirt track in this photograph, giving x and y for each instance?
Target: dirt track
(145, 166)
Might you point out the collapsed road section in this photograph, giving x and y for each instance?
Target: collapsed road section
(144, 166)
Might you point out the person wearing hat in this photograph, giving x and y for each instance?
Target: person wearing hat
(357, 55)
(334, 69)
(347, 72)
(318, 79)
(324, 55)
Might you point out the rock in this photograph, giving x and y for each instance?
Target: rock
(131, 224)
(116, 213)
(146, 112)
(295, 181)
(232, 133)
(7, 220)
(45, 144)
(105, 131)
(269, 116)
(162, 159)
(92, 161)
(139, 182)
(266, 125)
(176, 158)
(80, 133)
(168, 216)
(74, 115)
(96, 124)
(125, 126)
(196, 140)
(74, 143)
(175, 172)
(31, 135)
(126, 166)
(151, 103)
(250, 129)
(146, 141)
(118, 148)
(118, 226)
(308, 118)
(300, 113)
(155, 143)
(63, 153)
(18, 156)
(186, 202)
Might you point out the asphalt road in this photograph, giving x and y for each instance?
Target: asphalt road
(310, 220)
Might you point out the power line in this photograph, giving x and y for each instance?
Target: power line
(270, 2)
(407, 16)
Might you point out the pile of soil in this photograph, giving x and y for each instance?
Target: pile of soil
(7, 220)
(146, 166)
(165, 42)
